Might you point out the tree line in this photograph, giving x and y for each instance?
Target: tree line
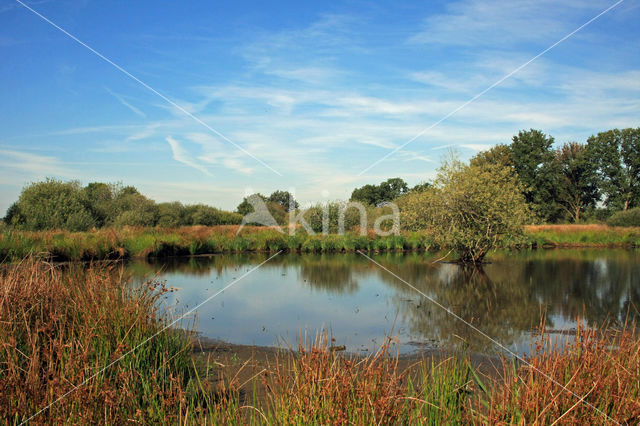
(570, 183)
(53, 204)
(574, 182)
(593, 179)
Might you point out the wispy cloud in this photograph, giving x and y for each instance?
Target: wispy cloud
(320, 99)
(33, 165)
(124, 102)
(498, 24)
(182, 156)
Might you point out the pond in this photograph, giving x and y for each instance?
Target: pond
(359, 304)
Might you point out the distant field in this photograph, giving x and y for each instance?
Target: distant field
(197, 240)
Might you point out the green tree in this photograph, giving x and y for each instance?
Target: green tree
(577, 184)
(285, 199)
(470, 209)
(100, 197)
(617, 155)
(130, 208)
(171, 215)
(53, 204)
(420, 187)
(245, 207)
(497, 155)
(388, 190)
(368, 194)
(13, 217)
(276, 210)
(534, 162)
(393, 188)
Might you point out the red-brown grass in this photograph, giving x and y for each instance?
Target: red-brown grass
(601, 371)
(63, 325)
(576, 228)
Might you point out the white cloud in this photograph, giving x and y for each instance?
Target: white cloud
(123, 101)
(499, 24)
(33, 165)
(182, 156)
(477, 147)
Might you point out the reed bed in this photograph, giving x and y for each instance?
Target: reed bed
(601, 369)
(582, 236)
(196, 240)
(62, 325)
(139, 242)
(316, 386)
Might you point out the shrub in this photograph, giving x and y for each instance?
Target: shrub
(470, 209)
(312, 245)
(629, 217)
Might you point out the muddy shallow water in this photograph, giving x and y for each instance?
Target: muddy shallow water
(360, 304)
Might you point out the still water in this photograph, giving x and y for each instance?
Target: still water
(359, 304)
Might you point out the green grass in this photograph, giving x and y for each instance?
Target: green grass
(158, 242)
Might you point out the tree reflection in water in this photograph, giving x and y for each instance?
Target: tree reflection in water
(506, 298)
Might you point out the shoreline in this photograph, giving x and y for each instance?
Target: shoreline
(157, 243)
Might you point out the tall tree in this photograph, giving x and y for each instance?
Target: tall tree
(285, 199)
(100, 198)
(369, 194)
(577, 184)
(534, 162)
(388, 190)
(617, 155)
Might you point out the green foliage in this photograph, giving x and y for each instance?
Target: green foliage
(100, 198)
(201, 214)
(629, 217)
(498, 155)
(577, 183)
(285, 199)
(534, 162)
(420, 187)
(135, 210)
(245, 207)
(470, 209)
(52, 204)
(388, 190)
(275, 211)
(171, 215)
(617, 157)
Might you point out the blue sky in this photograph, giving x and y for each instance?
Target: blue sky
(317, 90)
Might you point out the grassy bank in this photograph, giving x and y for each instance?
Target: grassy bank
(197, 240)
(61, 327)
(583, 236)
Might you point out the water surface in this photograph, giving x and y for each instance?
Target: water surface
(359, 304)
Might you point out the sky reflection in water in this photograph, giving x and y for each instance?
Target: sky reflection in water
(359, 304)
